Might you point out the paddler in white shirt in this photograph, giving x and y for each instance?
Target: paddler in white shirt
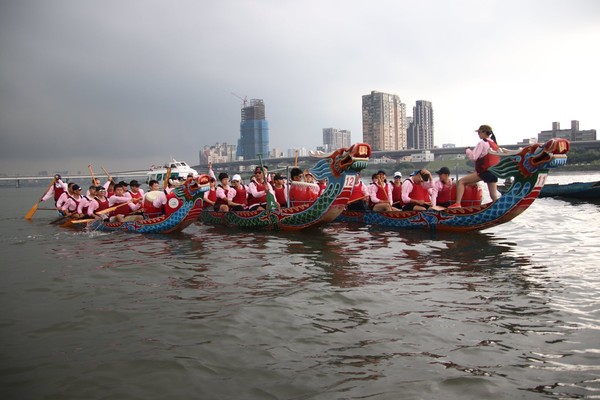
(122, 198)
(55, 190)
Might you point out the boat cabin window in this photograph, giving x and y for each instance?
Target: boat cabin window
(173, 166)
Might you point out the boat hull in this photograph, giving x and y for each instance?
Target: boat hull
(339, 170)
(576, 190)
(529, 169)
(173, 223)
(284, 219)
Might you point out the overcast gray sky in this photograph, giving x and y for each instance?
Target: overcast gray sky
(127, 84)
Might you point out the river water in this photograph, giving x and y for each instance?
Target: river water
(341, 312)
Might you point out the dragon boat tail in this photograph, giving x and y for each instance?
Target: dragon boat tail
(527, 166)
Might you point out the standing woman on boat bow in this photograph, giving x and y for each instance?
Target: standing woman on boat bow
(483, 160)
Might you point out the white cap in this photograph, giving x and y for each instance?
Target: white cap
(398, 173)
(236, 177)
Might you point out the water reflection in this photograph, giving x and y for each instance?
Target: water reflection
(353, 304)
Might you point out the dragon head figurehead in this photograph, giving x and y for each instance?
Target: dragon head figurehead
(333, 166)
(532, 159)
(193, 188)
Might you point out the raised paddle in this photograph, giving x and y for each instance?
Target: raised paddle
(35, 207)
(167, 177)
(271, 201)
(92, 173)
(107, 174)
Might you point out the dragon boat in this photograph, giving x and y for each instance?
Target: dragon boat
(527, 166)
(184, 208)
(338, 168)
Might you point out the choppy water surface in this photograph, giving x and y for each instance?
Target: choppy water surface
(342, 312)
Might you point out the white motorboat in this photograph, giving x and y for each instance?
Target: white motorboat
(178, 169)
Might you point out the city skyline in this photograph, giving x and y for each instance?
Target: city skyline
(131, 84)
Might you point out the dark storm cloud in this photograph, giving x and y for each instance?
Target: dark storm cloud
(132, 83)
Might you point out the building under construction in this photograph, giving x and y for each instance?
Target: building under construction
(254, 131)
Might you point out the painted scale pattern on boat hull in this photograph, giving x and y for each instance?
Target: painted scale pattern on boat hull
(529, 168)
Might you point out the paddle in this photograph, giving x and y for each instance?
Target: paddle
(382, 186)
(359, 199)
(113, 208)
(35, 207)
(92, 173)
(107, 174)
(82, 221)
(76, 221)
(271, 202)
(167, 177)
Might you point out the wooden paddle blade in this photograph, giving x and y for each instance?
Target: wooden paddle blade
(82, 221)
(32, 211)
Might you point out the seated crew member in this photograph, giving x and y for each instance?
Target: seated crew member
(69, 208)
(359, 195)
(280, 189)
(137, 194)
(257, 191)
(238, 195)
(86, 200)
(122, 199)
(98, 203)
(63, 197)
(380, 193)
(299, 192)
(110, 188)
(160, 200)
(314, 189)
(444, 190)
(415, 191)
(397, 190)
(210, 196)
(56, 190)
(222, 192)
(268, 177)
(149, 210)
(95, 184)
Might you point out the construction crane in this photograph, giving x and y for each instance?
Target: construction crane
(244, 100)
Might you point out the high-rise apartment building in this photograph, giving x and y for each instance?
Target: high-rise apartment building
(218, 153)
(420, 130)
(334, 138)
(254, 131)
(384, 121)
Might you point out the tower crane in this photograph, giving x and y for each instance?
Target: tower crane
(244, 100)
